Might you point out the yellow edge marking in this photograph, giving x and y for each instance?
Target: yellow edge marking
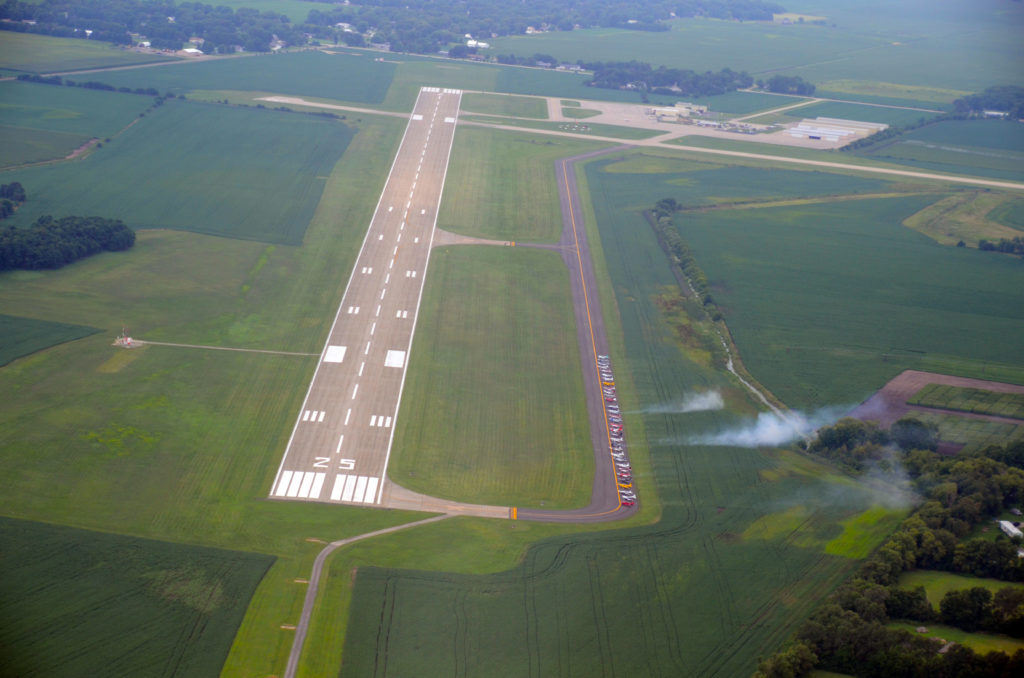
(515, 511)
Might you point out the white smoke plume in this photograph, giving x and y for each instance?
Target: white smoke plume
(692, 402)
(770, 429)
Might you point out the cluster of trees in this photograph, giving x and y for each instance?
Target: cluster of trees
(643, 77)
(679, 254)
(1005, 98)
(427, 26)
(787, 84)
(89, 84)
(857, 446)
(848, 634)
(165, 24)
(11, 195)
(1015, 246)
(52, 243)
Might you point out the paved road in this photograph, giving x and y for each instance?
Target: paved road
(341, 441)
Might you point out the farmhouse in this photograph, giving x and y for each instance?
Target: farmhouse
(1010, 529)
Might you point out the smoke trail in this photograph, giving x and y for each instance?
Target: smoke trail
(694, 402)
(771, 429)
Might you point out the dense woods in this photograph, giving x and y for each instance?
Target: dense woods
(645, 78)
(52, 243)
(422, 26)
(848, 634)
(11, 195)
(1007, 99)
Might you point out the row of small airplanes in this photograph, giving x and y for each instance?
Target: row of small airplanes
(623, 471)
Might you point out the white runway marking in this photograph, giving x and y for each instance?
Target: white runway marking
(380, 237)
(293, 487)
(380, 421)
(417, 116)
(378, 310)
(373, 328)
(305, 416)
(387, 278)
(361, 366)
(353, 310)
(355, 389)
(410, 274)
(415, 240)
(318, 486)
(449, 119)
(423, 211)
(394, 359)
(402, 314)
(373, 420)
(322, 415)
(367, 351)
(334, 354)
(313, 415)
(391, 207)
(383, 292)
(350, 484)
(399, 239)
(341, 439)
(347, 415)
(360, 489)
(282, 484)
(307, 484)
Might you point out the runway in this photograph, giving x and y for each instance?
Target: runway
(341, 441)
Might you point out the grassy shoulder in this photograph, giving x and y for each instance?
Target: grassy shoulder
(46, 54)
(501, 185)
(496, 351)
(504, 104)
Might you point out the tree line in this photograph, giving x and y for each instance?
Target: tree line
(643, 77)
(787, 84)
(11, 195)
(52, 243)
(848, 634)
(1006, 246)
(680, 256)
(89, 84)
(1003, 98)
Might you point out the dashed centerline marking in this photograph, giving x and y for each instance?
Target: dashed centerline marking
(355, 390)
(347, 415)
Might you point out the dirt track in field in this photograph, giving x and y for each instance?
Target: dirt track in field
(889, 404)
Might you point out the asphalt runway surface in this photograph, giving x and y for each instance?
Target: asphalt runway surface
(339, 448)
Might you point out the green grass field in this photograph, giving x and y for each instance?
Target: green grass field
(23, 336)
(937, 584)
(79, 603)
(979, 642)
(974, 434)
(515, 106)
(579, 113)
(581, 128)
(967, 216)
(818, 292)
(269, 168)
(973, 400)
(46, 54)
(489, 175)
(342, 77)
(522, 437)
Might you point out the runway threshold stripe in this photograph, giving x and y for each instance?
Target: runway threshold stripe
(339, 483)
(371, 491)
(350, 486)
(360, 489)
(307, 484)
(293, 487)
(318, 486)
(282, 484)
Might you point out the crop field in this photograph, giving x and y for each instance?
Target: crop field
(974, 434)
(522, 436)
(491, 172)
(80, 603)
(836, 109)
(983, 147)
(937, 584)
(949, 47)
(516, 106)
(979, 642)
(72, 110)
(818, 291)
(20, 146)
(24, 336)
(674, 598)
(973, 400)
(269, 167)
(46, 54)
(344, 77)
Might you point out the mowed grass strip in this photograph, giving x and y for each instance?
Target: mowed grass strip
(976, 400)
(493, 410)
(498, 104)
(23, 336)
(235, 172)
(501, 185)
(46, 54)
(82, 603)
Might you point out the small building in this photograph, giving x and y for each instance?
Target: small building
(192, 51)
(688, 109)
(1009, 529)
